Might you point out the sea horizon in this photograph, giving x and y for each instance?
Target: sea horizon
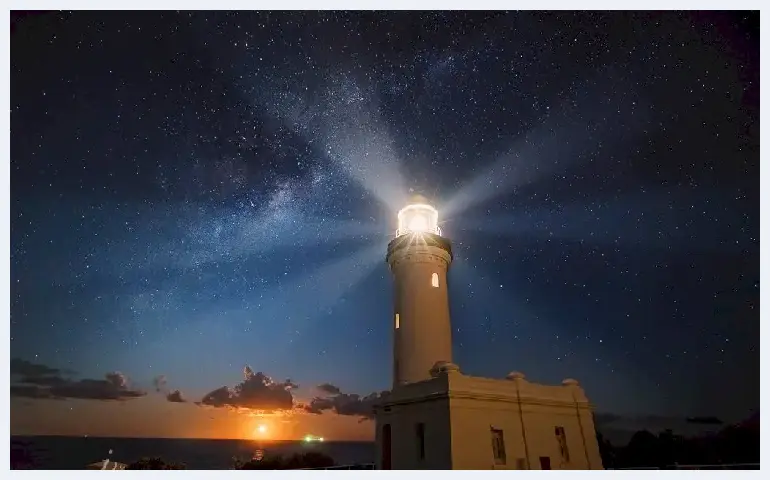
(255, 440)
(61, 452)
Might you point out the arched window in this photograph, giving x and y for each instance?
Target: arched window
(434, 280)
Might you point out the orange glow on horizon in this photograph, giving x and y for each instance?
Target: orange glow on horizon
(154, 417)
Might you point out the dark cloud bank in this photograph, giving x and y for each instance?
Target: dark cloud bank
(258, 391)
(33, 380)
(333, 399)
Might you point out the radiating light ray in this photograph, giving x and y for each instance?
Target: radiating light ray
(650, 219)
(509, 225)
(214, 287)
(312, 294)
(341, 123)
(306, 233)
(231, 238)
(579, 127)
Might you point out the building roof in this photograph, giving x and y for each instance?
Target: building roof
(110, 465)
(451, 383)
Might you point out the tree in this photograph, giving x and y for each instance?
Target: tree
(607, 451)
(734, 444)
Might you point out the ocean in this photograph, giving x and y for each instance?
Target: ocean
(74, 453)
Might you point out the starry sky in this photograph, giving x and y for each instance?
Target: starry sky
(201, 203)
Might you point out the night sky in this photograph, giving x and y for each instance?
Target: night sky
(195, 193)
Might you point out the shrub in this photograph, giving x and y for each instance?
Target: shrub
(294, 462)
(154, 463)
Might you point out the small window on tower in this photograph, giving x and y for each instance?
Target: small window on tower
(398, 321)
(434, 280)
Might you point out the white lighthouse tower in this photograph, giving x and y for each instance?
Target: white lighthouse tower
(437, 418)
(419, 258)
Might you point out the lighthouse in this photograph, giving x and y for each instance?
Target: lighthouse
(435, 417)
(419, 258)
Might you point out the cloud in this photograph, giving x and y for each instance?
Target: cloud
(175, 397)
(40, 381)
(328, 388)
(117, 379)
(159, 383)
(44, 381)
(605, 418)
(28, 369)
(114, 387)
(256, 392)
(651, 422)
(344, 403)
(29, 391)
(620, 428)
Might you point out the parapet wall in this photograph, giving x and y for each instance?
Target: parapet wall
(515, 388)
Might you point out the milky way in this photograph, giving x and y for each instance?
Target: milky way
(196, 192)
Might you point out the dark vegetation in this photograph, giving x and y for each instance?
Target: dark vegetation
(278, 462)
(735, 444)
(154, 463)
(21, 458)
(293, 462)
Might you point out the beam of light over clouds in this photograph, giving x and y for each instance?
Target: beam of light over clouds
(574, 131)
(341, 121)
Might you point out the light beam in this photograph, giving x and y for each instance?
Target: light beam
(319, 290)
(580, 126)
(341, 123)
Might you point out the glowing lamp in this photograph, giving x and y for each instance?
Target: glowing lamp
(418, 218)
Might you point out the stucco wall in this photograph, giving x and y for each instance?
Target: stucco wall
(403, 419)
(458, 426)
(424, 333)
(472, 421)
